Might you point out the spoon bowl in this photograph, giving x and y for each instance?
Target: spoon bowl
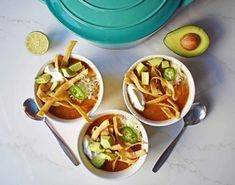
(196, 114)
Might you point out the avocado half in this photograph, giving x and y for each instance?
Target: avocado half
(187, 41)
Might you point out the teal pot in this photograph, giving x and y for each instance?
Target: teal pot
(114, 23)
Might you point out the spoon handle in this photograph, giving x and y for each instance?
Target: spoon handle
(62, 143)
(167, 152)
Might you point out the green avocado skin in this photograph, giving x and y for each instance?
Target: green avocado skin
(172, 41)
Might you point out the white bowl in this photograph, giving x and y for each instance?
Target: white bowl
(105, 174)
(101, 88)
(187, 105)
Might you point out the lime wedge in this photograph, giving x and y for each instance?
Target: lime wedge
(37, 42)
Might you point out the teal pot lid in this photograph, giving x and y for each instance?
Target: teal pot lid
(113, 21)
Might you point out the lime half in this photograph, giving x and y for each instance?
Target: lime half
(37, 42)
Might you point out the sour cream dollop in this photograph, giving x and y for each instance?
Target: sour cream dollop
(54, 72)
(136, 97)
(86, 149)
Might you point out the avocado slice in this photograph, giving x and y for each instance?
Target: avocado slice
(140, 68)
(165, 64)
(108, 156)
(68, 72)
(98, 161)
(187, 41)
(155, 62)
(145, 78)
(76, 67)
(106, 141)
(96, 147)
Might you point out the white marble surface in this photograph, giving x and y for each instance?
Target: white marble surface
(29, 154)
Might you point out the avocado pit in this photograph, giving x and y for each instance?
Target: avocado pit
(190, 41)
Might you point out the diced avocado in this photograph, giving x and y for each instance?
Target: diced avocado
(68, 72)
(43, 79)
(108, 156)
(106, 141)
(54, 85)
(187, 41)
(155, 62)
(145, 78)
(98, 161)
(76, 67)
(96, 147)
(165, 64)
(140, 68)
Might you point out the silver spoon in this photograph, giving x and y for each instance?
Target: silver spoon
(196, 114)
(31, 109)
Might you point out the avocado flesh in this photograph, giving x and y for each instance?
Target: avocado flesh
(172, 41)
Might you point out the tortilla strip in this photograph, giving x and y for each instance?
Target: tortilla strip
(116, 147)
(168, 112)
(135, 154)
(138, 143)
(63, 103)
(114, 162)
(68, 53)
(177, 113)
(135, 80)
(157, 100)
(123, 158)
(167, 85)
(80, 111)
(173, 104)
(105, 132)
(65, 86)
(58, 61)
(155, 72)
(128, 161)
(115, 124)
(99, 129)
(155, 91)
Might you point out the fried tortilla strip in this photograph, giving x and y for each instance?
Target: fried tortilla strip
(167, 85)
(99, 129)
(64, 104)
(131, 75)
(68, 53)
(116, 125)
(128, 161)
(123, 157)
(177, 113)
(80, 111)
(116, 147)
(173, 104)
(168, 112)
(138, 143)
(158, 99)
(58, 61)
(135, 154)
(65, 86)
(155, 72)
(105, 132)
(155, 91)
(115, 162)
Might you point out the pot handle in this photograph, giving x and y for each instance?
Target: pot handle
(185, 3)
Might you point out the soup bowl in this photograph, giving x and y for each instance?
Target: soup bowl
(85, 161)
(188, 100)
(89, 64)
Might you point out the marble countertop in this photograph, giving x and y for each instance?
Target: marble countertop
(29, 153)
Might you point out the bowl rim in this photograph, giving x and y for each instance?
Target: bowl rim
(100, 95)
(105, 174)
(187, 105)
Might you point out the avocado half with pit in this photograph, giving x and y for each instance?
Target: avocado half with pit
(187, 41)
